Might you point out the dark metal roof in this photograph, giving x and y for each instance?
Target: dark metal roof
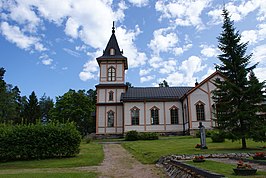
(154, 93)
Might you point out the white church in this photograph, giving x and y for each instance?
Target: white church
(175, 110)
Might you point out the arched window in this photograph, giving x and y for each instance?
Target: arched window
(134, 116)
(174, 115)
(111, 96)
(111, 74)
(154, 116)
(112, 51)
(200, 111)
(110, 116)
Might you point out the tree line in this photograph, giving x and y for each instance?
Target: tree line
(73, 106)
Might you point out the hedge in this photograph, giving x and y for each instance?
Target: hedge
(134, 135)
(27, 142)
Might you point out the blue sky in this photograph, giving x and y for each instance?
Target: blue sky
(50, 46)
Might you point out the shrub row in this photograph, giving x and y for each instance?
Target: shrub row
(134, 135)
(216, 136)
(25, 142)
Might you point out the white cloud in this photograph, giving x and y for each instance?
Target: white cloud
(15, 35)
(146, 78)
(183, 12)
(259, 54)
(238, 10)
(260, 73)
(90, 68)
(254, 36)
(126, 41)
(175, 79)
(72, 27)
(168, 67)
(163, 41)
(209, 51)
(143, 72)
(155, 62)
(46, 60)
(192, 65)
(71, 52)
(249, 35)
(139, 3)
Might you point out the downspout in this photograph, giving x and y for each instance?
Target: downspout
(184, 128)
(188, 117)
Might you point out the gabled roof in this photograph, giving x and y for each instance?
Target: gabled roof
(112, 44)
(205, 80)
(154, 93)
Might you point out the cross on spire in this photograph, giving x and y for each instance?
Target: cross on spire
(113, 28)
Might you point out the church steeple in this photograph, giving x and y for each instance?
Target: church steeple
(112, 50)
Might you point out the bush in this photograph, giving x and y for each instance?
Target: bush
(26, 142)
(132, 135)
(207, 132)
(148, 136)
(217, 137)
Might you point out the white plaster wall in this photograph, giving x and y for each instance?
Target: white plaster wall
(103, 73)
(119, 73)
(127, 116)
(160, 106)
(195, 97)
(101, 116)
(101, 95)
(119, 92)
(139, 128)
(169, 105)
(155, 128)
(119, 116)
(174, 128)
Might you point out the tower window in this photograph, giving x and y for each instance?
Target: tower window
(111, 96)
(110, 121)
(111, 74)
(112, 51)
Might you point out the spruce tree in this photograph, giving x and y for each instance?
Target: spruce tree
(237, 96)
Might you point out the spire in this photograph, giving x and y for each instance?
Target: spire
(112, 50)
(113, 28)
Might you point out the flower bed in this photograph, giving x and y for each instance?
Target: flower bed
(259, 156)
(198, 159)
(244, 169)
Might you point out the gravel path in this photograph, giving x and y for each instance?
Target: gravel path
(118, 163)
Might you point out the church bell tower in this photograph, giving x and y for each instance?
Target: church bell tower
(109, 108)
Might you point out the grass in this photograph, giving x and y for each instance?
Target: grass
(51, 175)
(90, 155)
(149, 152)
(222, 168)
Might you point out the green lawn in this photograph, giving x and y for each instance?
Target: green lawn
(150, 151)
(221, 168)
(90, 155)
(50, 175)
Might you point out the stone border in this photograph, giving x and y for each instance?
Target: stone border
(176, 169)
(223, 155)
(251, 161)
